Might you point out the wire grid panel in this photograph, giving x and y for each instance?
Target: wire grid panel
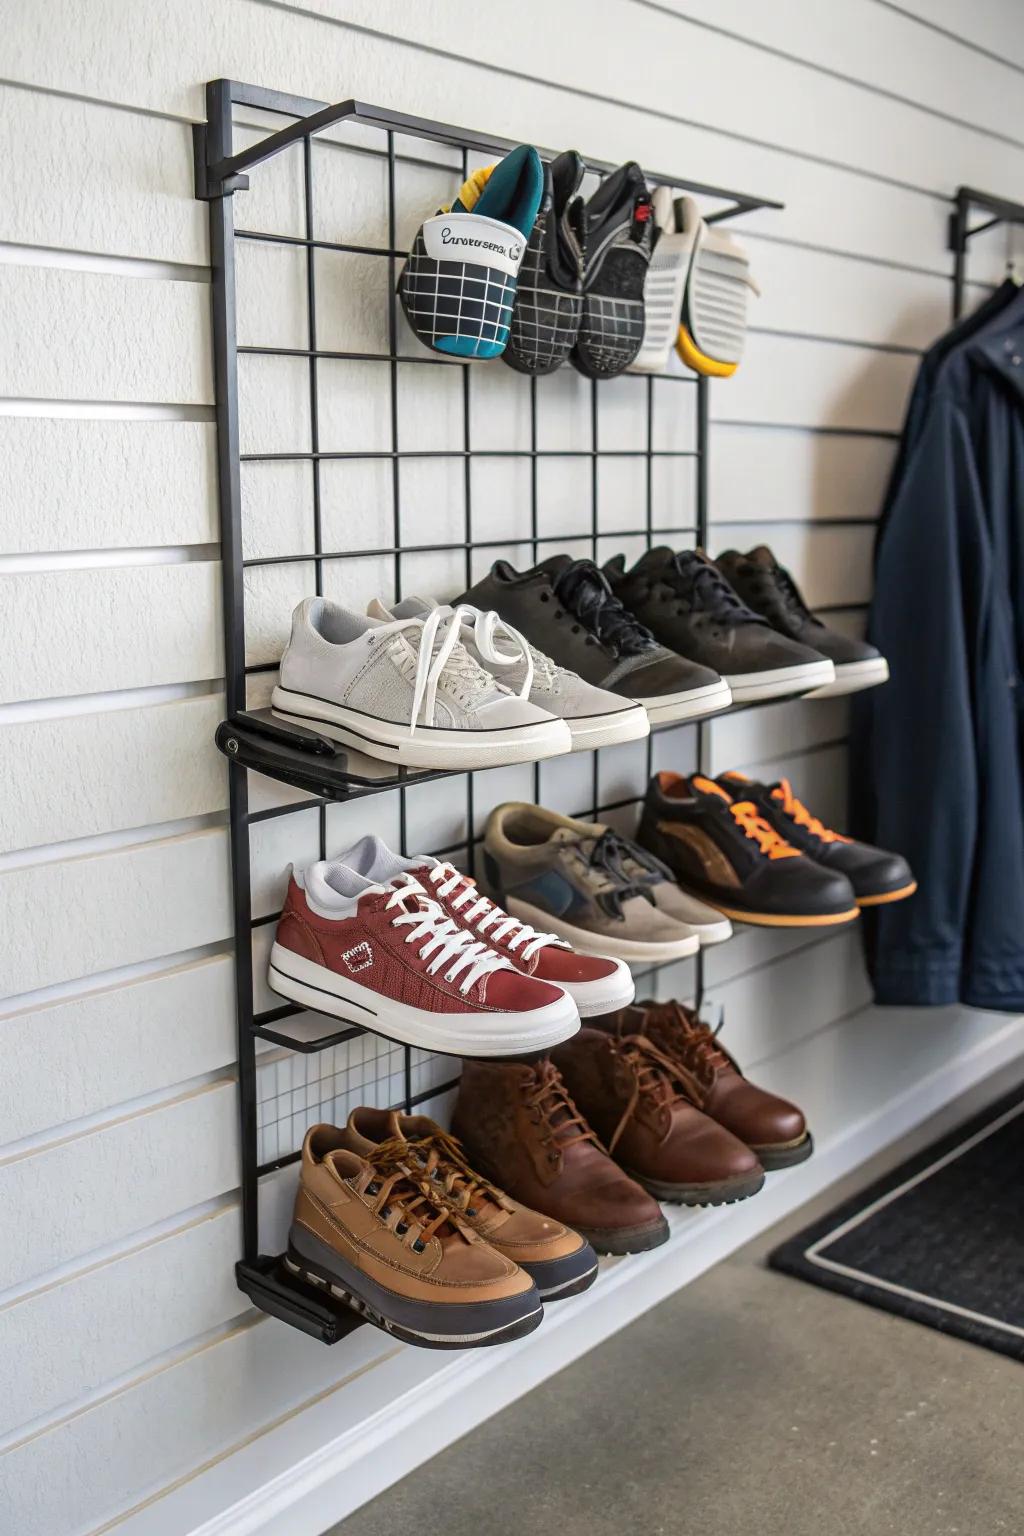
(370, 466)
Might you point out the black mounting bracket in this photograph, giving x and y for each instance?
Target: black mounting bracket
(1001, 210)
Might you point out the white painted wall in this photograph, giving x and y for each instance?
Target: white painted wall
(141, 1391)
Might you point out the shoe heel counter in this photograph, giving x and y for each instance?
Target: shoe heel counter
(295, 934)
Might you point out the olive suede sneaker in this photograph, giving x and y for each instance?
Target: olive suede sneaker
(595, 983)
(384, 955)
(877, 876)
(558, 1260)
(392, 1250)
(719, 846)
(595, 717)
(769, 589)
(406, 692)
(688, 604)
(570, 876)
(566, 609)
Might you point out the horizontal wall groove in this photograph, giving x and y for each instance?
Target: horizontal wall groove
(831, 73)
(93, 559)
(12, 253)
(104, 410)
(837, 341)
(19, 1004)
(124, 838)
(818, 431)
(954, 37)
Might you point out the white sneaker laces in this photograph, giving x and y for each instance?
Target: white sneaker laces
(439, 629)
(488, 629)
(484, 915)
(453, 948)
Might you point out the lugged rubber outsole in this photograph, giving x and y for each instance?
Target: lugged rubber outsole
(784, 1154)
(313, 1275)
(723, 1192)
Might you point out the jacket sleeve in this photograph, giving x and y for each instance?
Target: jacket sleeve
(916, 733)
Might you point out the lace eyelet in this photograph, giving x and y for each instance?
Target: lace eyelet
(545, 597)
(402, 1228)
(419, 1246)
(373, 1189)
(576, 629)
(552, 1157)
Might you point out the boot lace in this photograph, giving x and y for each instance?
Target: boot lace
(490, 632)
(770, 842)
(584, 592)
(486, 916)
(657, 1078)
(795, 808)
(442, 941)
(406, 1204)
(444, 1166)
(682, 1034)
(704, 587)
(631, 870)
(551, 1108)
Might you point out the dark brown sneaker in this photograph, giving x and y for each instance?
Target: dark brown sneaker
(558, 1260)
(380, 1242)
(520, 1128)
(639, 1101)
(772, 1128)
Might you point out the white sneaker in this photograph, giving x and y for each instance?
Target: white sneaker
(595, 717)
(406, 691)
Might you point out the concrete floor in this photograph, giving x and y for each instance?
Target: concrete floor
(749, 1404)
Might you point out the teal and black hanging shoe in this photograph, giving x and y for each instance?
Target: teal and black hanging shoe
(458, 285)
(549, 295)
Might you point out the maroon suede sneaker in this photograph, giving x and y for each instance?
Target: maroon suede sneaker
(386, 956)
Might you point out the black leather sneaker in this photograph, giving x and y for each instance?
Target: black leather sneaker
(877, 876)
(688, 604)
(721, 848)
(566, 609)
(769, 589)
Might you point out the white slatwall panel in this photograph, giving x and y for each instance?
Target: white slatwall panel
(136, 1359)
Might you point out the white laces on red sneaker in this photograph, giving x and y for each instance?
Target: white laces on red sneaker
(441, 940)
(486, 916)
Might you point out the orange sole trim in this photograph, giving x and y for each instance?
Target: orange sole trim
(883, 900)
(780, 920)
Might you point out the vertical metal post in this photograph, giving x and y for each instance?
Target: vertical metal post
(958, 240)
(702, 539)
(229, 499)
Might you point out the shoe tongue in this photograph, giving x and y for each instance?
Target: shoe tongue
(554, 565)
(705, 786)
(655, 559)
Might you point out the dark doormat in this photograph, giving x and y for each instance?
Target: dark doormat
(939, 1240)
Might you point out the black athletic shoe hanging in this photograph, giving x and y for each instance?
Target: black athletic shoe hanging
(458, 285)
(549, 292)
(618, 240)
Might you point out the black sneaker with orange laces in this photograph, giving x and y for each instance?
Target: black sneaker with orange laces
(876, 875)
(720, 847)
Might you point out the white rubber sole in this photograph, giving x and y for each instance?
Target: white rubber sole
(430, 746)
(590, 731)
(852, 676)
(630, 950)
(691, 705)
(454, 1034)
(747, 687)
(693, 916)
(602, 996)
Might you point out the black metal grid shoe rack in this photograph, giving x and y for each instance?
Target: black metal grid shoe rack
(251, 739)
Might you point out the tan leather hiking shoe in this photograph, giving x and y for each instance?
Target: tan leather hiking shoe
(639, 1102)
(559, 1261)
(373, 1237)
(772, 1127)
(521, 1129)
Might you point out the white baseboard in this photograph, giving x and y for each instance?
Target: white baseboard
(325, 1460)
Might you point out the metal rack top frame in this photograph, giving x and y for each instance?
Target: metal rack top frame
(220, 173)
(1000, 210)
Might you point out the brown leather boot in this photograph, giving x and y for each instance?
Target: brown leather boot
(558, 1260)
(521, 1129)
(370, 1235)
(772, 1127)
(638, 1101)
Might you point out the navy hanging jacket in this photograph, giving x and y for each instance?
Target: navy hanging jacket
(938, 773)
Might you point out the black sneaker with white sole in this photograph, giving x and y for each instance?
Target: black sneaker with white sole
(619, 235)
(566, 609)
(770, 590)
(688, 604)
